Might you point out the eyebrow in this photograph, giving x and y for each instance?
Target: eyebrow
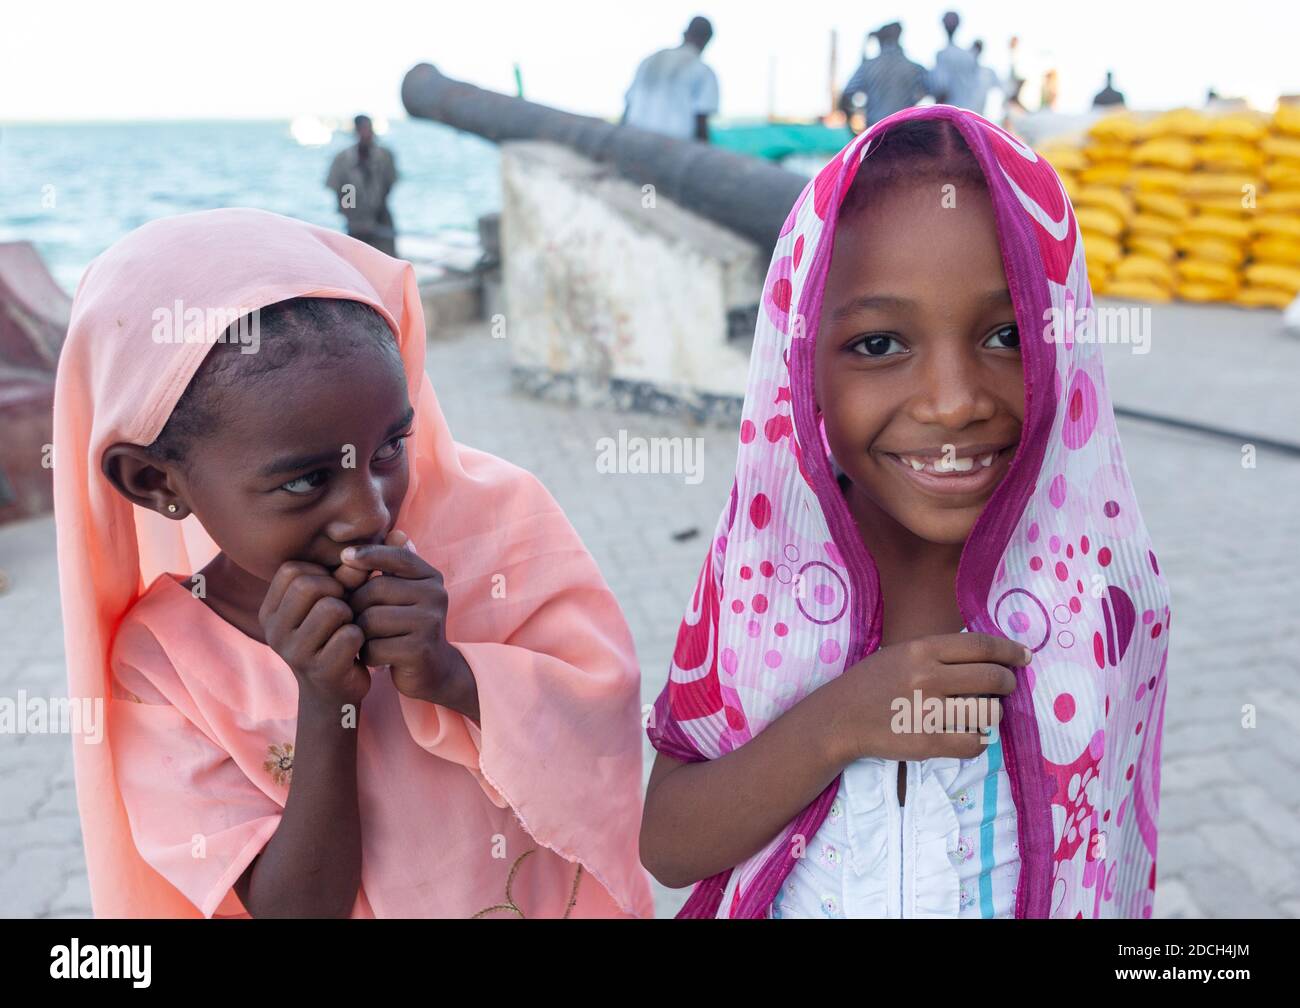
(296, 463)
(1001, 296)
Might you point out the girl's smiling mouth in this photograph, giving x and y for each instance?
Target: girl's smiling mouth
(953, 470)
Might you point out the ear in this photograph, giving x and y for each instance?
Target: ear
(143, 480)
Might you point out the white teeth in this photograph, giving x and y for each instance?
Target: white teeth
(944, 465)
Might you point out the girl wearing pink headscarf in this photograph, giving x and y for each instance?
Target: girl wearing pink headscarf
(351, 667)
(922, 673)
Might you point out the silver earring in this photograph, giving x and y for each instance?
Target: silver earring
(172, 508)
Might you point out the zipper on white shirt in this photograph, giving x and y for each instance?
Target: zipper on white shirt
(902, 837)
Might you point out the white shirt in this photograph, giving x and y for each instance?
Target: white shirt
(670, 89)
(949, 851)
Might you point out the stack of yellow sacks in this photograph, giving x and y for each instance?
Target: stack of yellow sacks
(1190, 205)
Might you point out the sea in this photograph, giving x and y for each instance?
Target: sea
(72, 189)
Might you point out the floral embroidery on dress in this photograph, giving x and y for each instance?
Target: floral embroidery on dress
(836, 809)
(964, 799)
(964, 898)
(830, 905)
(830, 856)
(279, 763)
(965, 849)
(509, 906)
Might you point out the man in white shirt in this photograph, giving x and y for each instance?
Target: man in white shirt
(674, 91)
(954, 79)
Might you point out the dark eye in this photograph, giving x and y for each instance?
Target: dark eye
(878, 345)
(391, 450)
(1008, 337)
(305, 484)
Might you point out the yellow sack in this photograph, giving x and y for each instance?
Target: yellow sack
(1105, 198)
(1276, 249)
(1204, 271)
(1151, 246)
(1139, 267)
(1183, 122)
(1100, 249)
(1098, 152)
(1236, 207)
(1280, 148)
(1277, 226)
(1262, 297)
(1194, 290)
(1138, 290)
(1219, 184)
(1120, 128)
(1247, 127)
(1064, 158)
(1282, 174)
(1163, 204)
(1158, 180)
(1211, 249)
(1166, 152)
(1287, 118)
(1106, 173)
(1150, 224)
(1272, 275)
(1217, 226)
(1281, 201)
(1070, 183)
(1100, 220)
(1228, 155)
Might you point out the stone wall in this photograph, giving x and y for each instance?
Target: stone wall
(612, 293)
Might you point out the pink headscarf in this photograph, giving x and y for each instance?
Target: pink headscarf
(559, 741)
(1081, 733)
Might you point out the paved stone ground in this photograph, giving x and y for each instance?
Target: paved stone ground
(1226, 536)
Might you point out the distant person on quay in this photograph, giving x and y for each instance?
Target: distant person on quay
(675, 91)
(361, 177)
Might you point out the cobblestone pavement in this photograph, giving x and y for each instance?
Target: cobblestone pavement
(1226, 536)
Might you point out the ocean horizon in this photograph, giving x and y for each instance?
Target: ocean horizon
(74, 188)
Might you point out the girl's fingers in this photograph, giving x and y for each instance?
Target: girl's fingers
(972, 680)
(966, 648)
(304, 592)
(385, 650)
(284, 577)
(342, 646)
(350, 577)
(396, 591)
(397, 560)
(324, 619)
(386, 620)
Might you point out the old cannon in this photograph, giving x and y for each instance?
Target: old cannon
(749, 196)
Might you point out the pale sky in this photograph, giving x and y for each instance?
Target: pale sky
(83, 60)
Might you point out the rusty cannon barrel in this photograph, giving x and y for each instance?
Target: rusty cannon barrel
(742, 193)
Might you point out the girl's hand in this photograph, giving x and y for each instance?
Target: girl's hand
(928, 669)
(307, 623)
(403, 616)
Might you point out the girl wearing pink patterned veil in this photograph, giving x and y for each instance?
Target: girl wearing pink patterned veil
(351, 666)
(922, 671)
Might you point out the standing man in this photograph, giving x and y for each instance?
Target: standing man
(956, 72)
(1108, 96)
(361, 177)
(890, 81)
(674, 91)
(986, 79)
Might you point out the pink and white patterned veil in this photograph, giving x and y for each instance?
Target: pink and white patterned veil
(1059, 560)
